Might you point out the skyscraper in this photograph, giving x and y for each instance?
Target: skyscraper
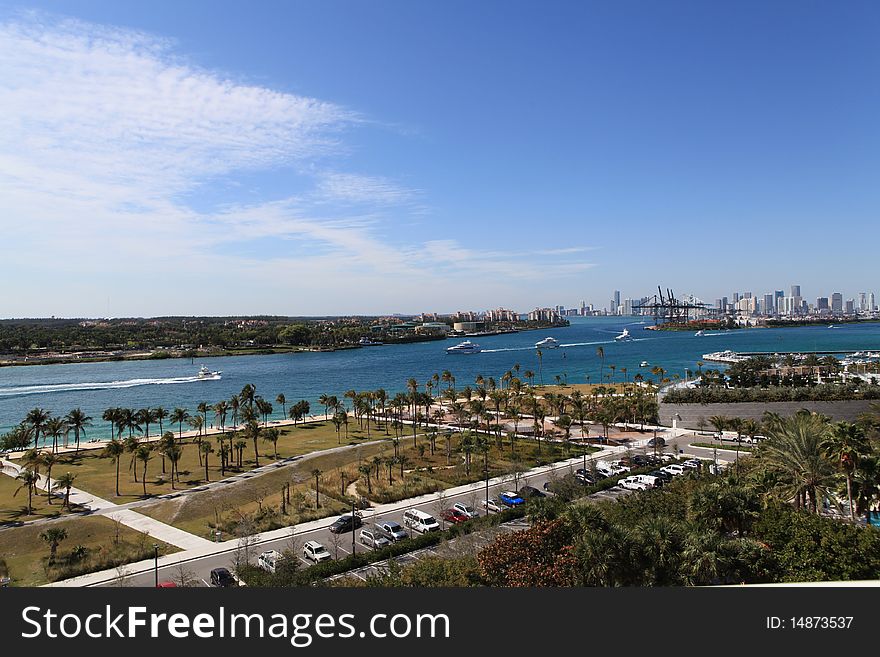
(795, 290)
(850, 307)
(863, 301)
(837, 303)
(769, 305)
(871, 306)
(779, 295)
(615, 307)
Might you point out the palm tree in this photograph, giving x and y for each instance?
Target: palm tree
(720, 423)
(53, 536)
(37, 418)
(240, 444)
(174, 452)
(252, 432)
(180, 415)
(794, 454)
(248, 394)
(77, 421)
(316, 473)
(110, 415)
(65, 482)
(29, 479)
(272, 436)
(48, 460)
(600, 352)
(159, 415)
(366, 470)
(206, 448)
(234, 405)
(54, 427)
(144, 454)
(131, 444)
(115, 449)
(220, 410)
(197, 423)
(144, 417)
(540, 365)
(337, 423)
(281, 399)
(324, 400)
(846, 445)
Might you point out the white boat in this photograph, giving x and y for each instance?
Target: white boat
(623, 336)
(699, 333)
(207, 375)
(547, 343)
(366, 342)
(466, 347)
(644, 363)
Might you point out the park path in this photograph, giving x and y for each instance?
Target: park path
(134, 520)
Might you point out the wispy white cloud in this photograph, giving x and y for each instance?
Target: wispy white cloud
(107, 135)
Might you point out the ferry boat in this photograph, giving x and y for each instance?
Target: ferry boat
(208, 375)
(623, 337)
(547, 343)
(366, 342)
(466, 347)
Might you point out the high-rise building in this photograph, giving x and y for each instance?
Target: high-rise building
(863, 301)
(724, 304)
(795, 290)
(871, 306)
(850, 307)
(778, 295)
(615, 303)
(769, 305)
(735, 298)
(822, 304)
(837, 303)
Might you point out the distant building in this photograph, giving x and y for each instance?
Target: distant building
(871, 306)
(433, 328)
(796, 290)
(769, 305)
(837, 303)
(822, 304)
(850, 308)
(466, 327)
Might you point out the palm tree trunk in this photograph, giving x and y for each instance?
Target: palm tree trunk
(117, 476)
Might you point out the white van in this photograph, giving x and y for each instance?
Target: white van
(650, 480)
(420, 521)
(270, 560)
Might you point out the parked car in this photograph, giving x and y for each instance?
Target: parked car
(691, 465)
(346, 523)
(392, 531)
(510, 498)
(585, 476)
(660, 474)
(469, 511)
(493, 506)
(222, 578)
(657, 442)
(674, 469)
(270, 560)
(166, 585)
(640, 461)
(454, 516)
(373, 539)
(314, 551)
(420, 521)
(632, 483)
(650, 480)
(528, 492)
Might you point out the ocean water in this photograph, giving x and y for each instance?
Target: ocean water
(172, 383)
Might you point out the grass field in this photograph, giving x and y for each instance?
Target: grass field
(97, 475)
(106, 544)
(13, 507)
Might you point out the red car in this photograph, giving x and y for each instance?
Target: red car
(454, 516)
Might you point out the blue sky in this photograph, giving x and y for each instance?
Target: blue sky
(348, 157)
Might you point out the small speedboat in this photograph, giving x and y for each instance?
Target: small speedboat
(644, 363)
(367, 342)
(466, 347)
(699, 333)
(208, 375)
(623, 337)
(547, 343)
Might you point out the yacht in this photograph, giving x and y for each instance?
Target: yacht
(644, 363)
(547, 343)
(207, 375)
(623, 336)
(466, 347)
(699, 333)
(367, 342)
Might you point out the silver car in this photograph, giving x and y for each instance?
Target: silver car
(373, 539)
(391, 530)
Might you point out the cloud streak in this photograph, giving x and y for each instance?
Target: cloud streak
(114, 150)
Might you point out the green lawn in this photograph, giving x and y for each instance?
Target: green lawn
(725, 446)
(26, 554)
(13, 506)
(97, 475)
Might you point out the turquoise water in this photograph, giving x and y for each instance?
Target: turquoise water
(170, 383)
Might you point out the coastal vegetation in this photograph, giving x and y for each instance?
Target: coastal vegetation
(80, 545)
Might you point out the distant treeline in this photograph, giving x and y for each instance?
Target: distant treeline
(820, 392)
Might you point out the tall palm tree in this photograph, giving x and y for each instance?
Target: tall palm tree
(316, 473)
(174, 453)
(65, 483)
(115, 449)
(29, 479)
(144, 454)
(540, 356)
(248, 394)
(272, 436)
(179, 416)
(281, 399)
(110, 415)
(252, 432)
(366, 471)
(600, 352)
(77, 421)
(234, 405)
(37, 418)
(197, 423)
(144, 417)
(54, 428)
(49, 460)
(206, 448)
(221, 408)
(846, 446)
(160, 414)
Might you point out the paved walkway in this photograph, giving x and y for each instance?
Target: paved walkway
(137, 521)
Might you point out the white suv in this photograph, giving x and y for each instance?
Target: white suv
(316, 552)
(632, 483)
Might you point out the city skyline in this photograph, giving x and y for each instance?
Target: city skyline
(332, 158)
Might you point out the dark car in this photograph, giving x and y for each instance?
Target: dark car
(657, 442)
(640, 461)
(454, 516)
(585, 476)
(346, 523)
(527, 492)
(665, 476)
(222, 577)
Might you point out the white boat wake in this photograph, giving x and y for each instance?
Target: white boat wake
(17, 391)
